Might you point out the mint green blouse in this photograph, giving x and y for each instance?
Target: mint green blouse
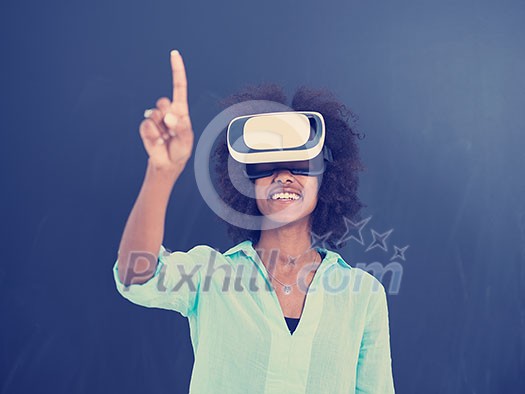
(240, 338)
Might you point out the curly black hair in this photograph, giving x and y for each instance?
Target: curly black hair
(337, 198)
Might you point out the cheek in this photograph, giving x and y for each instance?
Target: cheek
(313, 193)
(313, 200)
(312, 186)
(259, 189)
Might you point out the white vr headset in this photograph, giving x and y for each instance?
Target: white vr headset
(277, 137)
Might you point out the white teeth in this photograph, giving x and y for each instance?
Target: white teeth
(285, 196)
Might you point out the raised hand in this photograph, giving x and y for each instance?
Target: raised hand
(166, 132)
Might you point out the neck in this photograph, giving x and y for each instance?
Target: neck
(287, 247)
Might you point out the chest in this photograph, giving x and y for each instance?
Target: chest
(292, 303)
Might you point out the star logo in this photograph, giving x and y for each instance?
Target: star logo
(320, 241)
(379, 240)
(354, 230)
(399, 253)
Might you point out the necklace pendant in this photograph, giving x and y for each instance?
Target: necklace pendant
(287, 289)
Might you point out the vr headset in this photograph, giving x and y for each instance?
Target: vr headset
(267, 142)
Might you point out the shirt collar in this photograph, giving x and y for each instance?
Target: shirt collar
(246, 247)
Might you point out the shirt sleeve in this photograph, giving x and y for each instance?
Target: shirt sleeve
(374, 368)
(175, 284)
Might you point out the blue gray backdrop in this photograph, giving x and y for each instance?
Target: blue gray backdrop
(439, 90)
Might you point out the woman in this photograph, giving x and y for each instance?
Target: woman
(276, 313)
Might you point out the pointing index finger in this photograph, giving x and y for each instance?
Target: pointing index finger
(180, 84)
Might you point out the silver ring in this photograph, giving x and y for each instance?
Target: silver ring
(148, 112)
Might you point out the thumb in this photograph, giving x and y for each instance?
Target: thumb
(170, 120)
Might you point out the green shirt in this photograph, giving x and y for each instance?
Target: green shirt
(240, 338)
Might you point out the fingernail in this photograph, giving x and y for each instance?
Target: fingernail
(170, 120)
(174, 52)
(147, 113)
(172, 133)
(160, 141)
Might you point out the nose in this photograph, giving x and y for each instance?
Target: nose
(283, 175)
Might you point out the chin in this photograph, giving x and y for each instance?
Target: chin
(286, 218)
(286, 213)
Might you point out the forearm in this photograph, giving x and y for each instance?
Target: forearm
(144, 230)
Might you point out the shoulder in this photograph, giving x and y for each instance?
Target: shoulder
(364, 278)
(199, 254)
(369, 281)
(196, 250)
(205, 255)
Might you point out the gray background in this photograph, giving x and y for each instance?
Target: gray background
(439, 90)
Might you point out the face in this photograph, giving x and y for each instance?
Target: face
(284, 197)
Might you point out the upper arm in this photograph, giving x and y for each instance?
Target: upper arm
(374, 369)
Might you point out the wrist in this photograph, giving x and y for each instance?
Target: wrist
(171, 172)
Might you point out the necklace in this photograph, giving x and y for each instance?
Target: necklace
(287, 288)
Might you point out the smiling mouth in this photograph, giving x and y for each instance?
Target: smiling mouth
(287, 196)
